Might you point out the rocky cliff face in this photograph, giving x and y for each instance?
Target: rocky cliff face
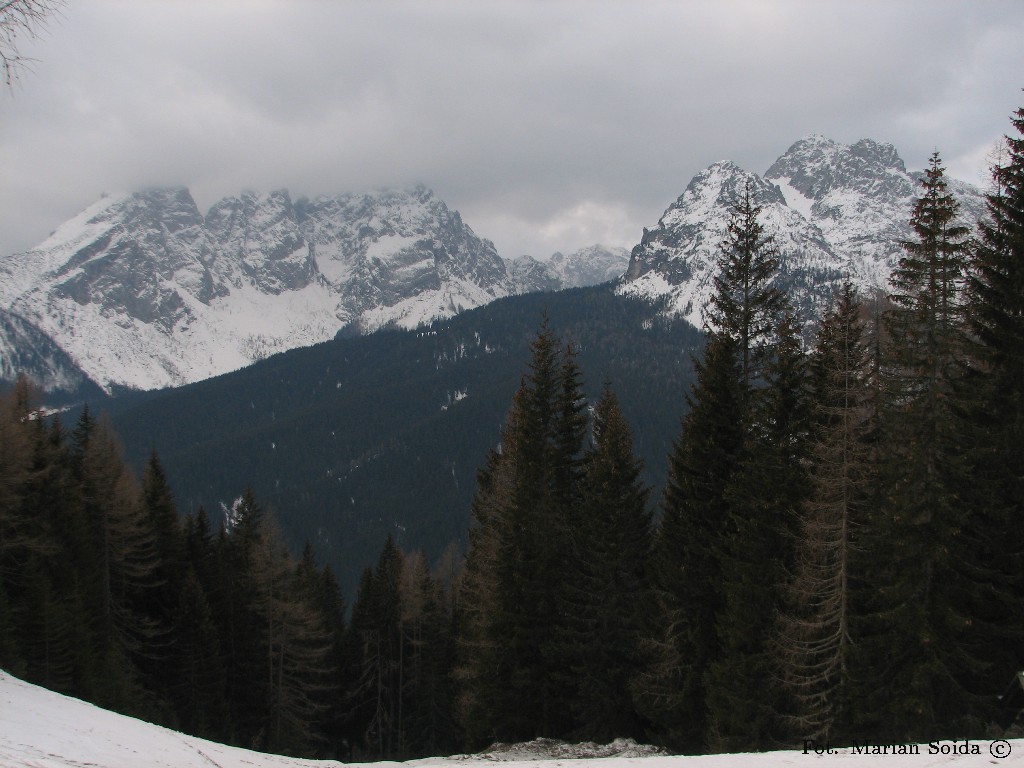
(835, 211)
(143, 291)
(259, 243)
(400, 257)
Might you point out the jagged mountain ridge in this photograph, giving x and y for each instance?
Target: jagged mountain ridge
(835, 210)
(142, 291)
(593, 265)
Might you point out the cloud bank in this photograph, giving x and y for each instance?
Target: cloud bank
(549, 125)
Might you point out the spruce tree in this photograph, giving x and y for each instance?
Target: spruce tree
(123, 569)
(15, 468)
(702, 528)
(377, 624)
(993, 398)
(427, 691)
(747, 304)
(608, 602)
(525, 511)
(331, 606)
(755, 552)
(162, 512)
(161, 516)
(16, 535)
(480, 672)
(672, 691)
(921, 599)
(54, 499)
(297, 652)
(275, 645)
(196, 682)
(233, 597)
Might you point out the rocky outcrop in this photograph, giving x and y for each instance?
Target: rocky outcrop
(835, 212)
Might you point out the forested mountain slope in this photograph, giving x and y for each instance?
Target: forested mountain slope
(353, 439)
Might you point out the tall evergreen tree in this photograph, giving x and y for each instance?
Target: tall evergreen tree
(699, 501)
(672, 692)
(525, 510)
(333, 693)
(162, 513)
(747, 304)
(427, 691)
(16, 536)
(755, 552)
(377, 624)
(275, 645)
(608, 601)
(232, 595)
(921, 600)
(195, 679)
(124, 574)
(15, 469)
(813, 646)
(53, 499)
(297, 652)
(993, 397)
(162, 519)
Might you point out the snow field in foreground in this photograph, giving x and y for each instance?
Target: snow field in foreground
(42, 729)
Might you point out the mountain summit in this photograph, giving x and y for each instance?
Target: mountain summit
(836, 211)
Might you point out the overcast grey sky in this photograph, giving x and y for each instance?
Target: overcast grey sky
(550, 125)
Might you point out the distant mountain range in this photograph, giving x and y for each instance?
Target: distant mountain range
(142, 291)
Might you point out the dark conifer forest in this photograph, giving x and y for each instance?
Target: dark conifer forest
(837, 553)
(360, 438)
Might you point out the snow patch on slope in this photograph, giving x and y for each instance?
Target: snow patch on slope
(795, 199)
(453, 297)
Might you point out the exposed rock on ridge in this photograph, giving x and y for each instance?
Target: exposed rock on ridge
(835, 211)
(143, 291)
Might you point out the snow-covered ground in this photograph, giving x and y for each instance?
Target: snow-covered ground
(41, 729)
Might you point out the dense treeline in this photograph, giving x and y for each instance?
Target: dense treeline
(839, 550)
(837, 554)
(554, 596)
(108, 594)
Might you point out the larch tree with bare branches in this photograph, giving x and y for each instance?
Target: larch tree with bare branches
(20, 19)
(814, 637)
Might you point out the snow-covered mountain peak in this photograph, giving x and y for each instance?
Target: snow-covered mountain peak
(142, 291)
(83, 226)
(677, 260)
(717, 187)
(835, 211)
(588, 266)
(816, 166)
